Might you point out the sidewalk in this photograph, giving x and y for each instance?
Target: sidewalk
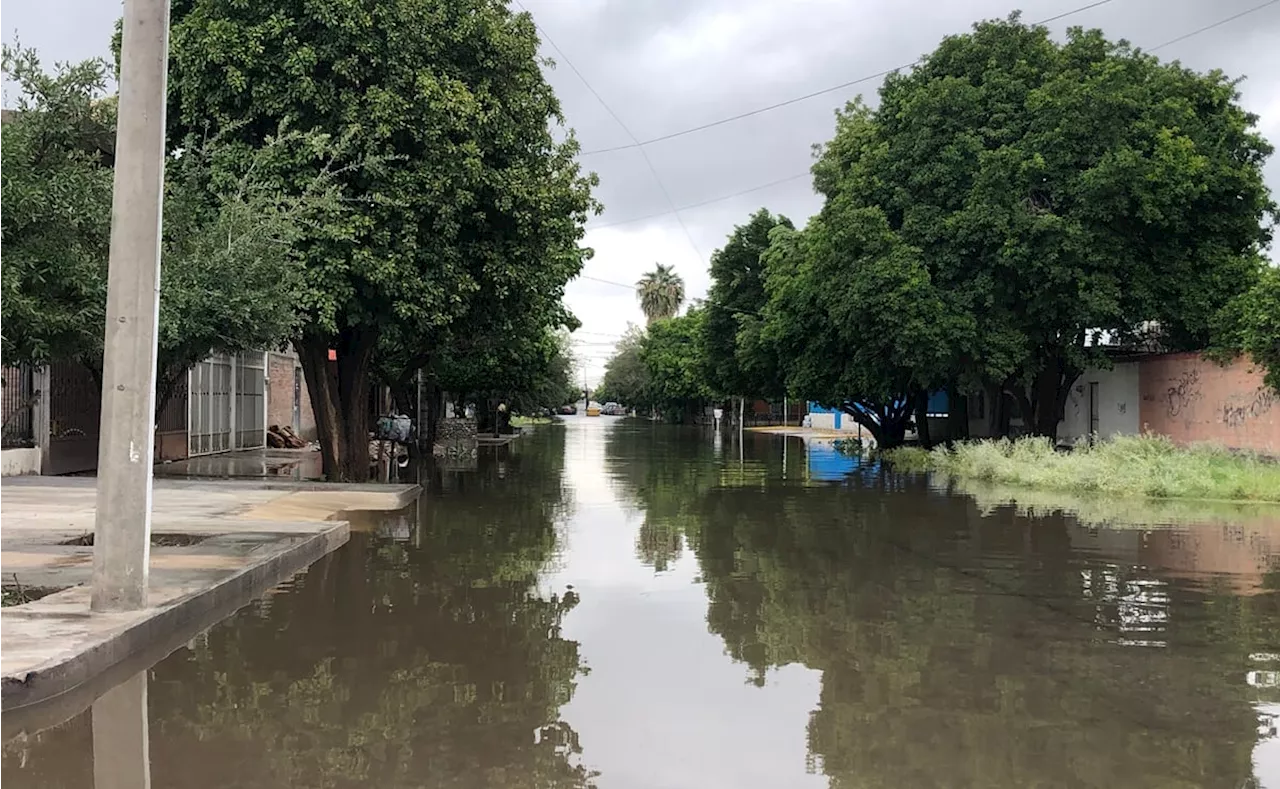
(216, 545)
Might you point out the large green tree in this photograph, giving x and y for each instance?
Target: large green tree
(1056, 188)
(229, 279)
(734, 302)
(626, 378)
(854, 320)
(471, 195)
(671, 352)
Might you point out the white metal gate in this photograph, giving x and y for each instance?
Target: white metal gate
(227, 397)
(250, 414)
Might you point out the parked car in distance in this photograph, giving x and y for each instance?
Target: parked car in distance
(568, 410)
(613, 409)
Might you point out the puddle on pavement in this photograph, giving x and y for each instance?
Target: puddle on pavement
(615, 604)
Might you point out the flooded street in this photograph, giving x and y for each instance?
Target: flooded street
(615, 604)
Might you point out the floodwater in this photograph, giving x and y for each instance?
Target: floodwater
(615, 604)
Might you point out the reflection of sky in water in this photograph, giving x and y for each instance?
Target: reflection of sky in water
(1266, 754)
(644, 637)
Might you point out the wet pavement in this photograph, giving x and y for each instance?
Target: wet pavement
(616, 604)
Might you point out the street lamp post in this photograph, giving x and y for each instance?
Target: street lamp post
(122, 524)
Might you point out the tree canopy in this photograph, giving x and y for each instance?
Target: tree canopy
(734, 302)
(1009, 197)
(229, 278)
(626, 379)
(464, 196)
(1056, 189)
(671, 354)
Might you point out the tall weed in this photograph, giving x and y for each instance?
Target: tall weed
(1134, 466)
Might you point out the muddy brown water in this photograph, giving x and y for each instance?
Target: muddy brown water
(611, 603)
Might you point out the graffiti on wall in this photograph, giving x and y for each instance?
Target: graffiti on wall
(1183, 395)
(1237, 412)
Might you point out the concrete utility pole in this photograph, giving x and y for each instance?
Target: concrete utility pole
(122, 526)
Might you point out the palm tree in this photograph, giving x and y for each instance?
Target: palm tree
(661, 293)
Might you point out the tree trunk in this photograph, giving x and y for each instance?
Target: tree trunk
(886, 423)
(322, 385)
(957, 415)
(922, 420)
(355, 366)
(433, 409)
(339, 396)
(1042, 403)
(1001, 412)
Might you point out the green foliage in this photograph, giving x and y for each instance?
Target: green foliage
(661, 293)
(57, 150)
(731, 329)
(451, 96)
(229, 278)
(1047, 190)
(626, 378)
(853, 447)
(671, 353)
(1250, 324)
(1149, 466)
(853, 319)
(467, 227)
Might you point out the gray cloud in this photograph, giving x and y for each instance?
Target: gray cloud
(666, 65)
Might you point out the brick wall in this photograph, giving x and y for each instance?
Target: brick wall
(1190, 399)
(281, 371)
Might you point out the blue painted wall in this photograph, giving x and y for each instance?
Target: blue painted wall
(939, 405)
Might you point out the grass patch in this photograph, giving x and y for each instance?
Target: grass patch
(1127, 466)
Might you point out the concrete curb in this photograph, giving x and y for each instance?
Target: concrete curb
(199, 610)
(406, 493)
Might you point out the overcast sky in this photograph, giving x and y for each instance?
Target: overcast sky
(667, 65)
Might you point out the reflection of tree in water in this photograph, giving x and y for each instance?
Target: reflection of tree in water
(945, 664)
(429, 662)
(663, 474)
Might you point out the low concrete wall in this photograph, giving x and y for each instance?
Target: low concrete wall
(1191, 399)
(17, 462)
(1116, 403)
(171, 445)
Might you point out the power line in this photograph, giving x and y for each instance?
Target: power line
(720, 199)
(781, 181)
(623, 126)
(1209, 27)
(607, 282)
(597, 333)
(769, 108)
